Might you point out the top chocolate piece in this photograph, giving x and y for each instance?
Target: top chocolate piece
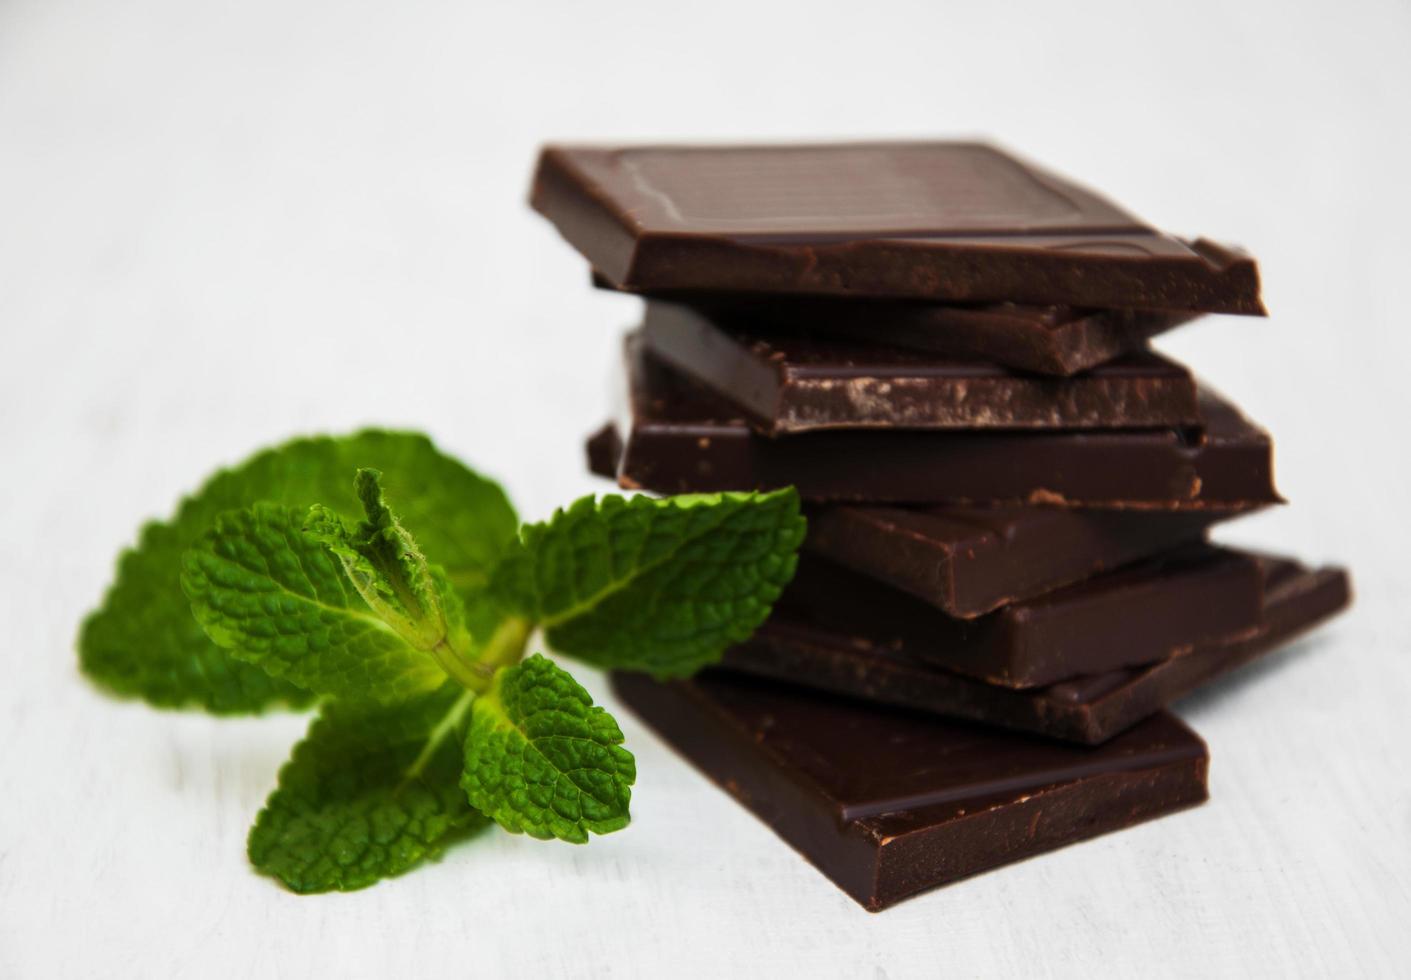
(953, 222)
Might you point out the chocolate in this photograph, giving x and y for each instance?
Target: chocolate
(941, 221)
(1143, 613)
(889, 803)
(790, 383)
(682, 439)
(1088, 709)
(1051, 340)
(968, 561)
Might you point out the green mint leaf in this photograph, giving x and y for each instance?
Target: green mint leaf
(384, 564)
(370, 792)
(143, 640)
(280, 599)
(540, 759)
(663, 585)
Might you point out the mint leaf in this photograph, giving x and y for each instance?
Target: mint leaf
(371, 791)
(143, 640)
(280, 599)
(540, 759)
(657, 585)
(384, 564)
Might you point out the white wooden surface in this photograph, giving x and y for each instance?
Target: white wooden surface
(225, 222)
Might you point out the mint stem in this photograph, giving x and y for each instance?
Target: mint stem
(506, 646)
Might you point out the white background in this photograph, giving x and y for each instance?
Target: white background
(225, 222)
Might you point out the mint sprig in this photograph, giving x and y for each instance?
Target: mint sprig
(271, 595)
(143, 641)
(431, 719)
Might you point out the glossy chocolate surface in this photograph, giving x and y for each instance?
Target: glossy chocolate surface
(1139, 614)
(946, 221)
(888, 803)
(792, 383)
(1086, 709)
(968, 561)
(682, 438)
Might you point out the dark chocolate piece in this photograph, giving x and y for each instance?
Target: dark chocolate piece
(1143, 613)
(1052, 340)
(787, 384)
(969, 561)
(1089, 709)
(958, 222)
(682, 439)
(889, 803)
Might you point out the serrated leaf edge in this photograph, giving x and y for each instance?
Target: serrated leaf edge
(588, 603)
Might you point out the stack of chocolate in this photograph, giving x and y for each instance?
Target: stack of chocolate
(1006, 577)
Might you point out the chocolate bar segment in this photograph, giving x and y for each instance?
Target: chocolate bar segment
(1143, 613)
(1088, 709)
(968, 561)
(889, 803)
(1050, 340)
(681, 439)
(940, 221)
(791, 383)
